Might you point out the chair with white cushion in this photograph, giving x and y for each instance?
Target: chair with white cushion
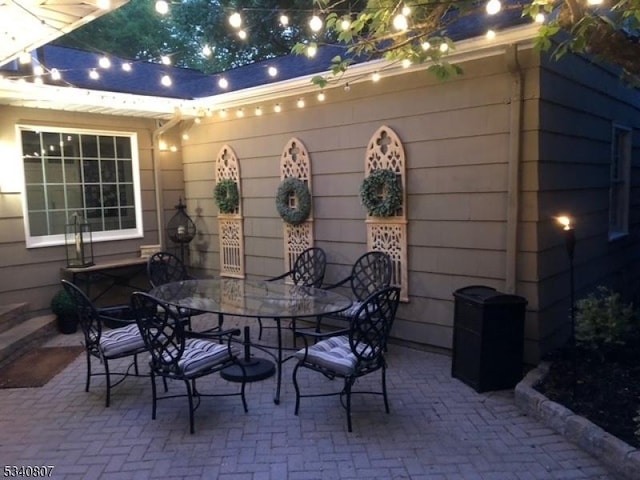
(353, 352)
(180, 355)
(105, 344)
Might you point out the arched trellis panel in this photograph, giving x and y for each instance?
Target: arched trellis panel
(389, 234)
(230, 225)
(295, 162)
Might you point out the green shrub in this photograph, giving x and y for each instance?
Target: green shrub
(603, 320)
(62, 304)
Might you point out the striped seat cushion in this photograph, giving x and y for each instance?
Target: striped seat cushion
(333, 353)
(349, 312)
(202, 355)
(121, 341)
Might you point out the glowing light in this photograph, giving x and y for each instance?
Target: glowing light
(55, 74)
(126, 67)
(564, 221)
(273, 71)
(104, 4)
(242, 34)
(345, 24)
(540, 18)
(493, 7)
(197, 121)
(594, 2)
(277, 108)
(315, 24)
(491, 34)
(312, 50)
(406, 63)
(93, 74)
(444, 47)
(162, 7)
(300, 103)
(235, 20)
(406, 11)
(400, 22)
(223, 113)
(347, 87)
(258, 111)
(38, 80)
(166, 80)
(375, 77)
(24, 58)
(321, 97)
(38, 70)
(206, 51)
(165, 60)
(185, 135)
(284, 20)
(173, 148)
(240, 113)
(104, 62)
(223, 83)
(426, 46)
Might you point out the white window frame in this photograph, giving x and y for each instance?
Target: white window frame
(619, 181)
(97, 236)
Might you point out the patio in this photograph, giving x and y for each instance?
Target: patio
(438, 428)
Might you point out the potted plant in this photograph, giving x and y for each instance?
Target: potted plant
(64, 307)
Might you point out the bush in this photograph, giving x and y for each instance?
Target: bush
(603, 320)
(62, 304)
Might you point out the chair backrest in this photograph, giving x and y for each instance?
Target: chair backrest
(161, 330)
(309, 267)
(165, 267)
(370, 273)
(371, 325)
(88, 317)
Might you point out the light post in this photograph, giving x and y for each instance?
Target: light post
(570, 244)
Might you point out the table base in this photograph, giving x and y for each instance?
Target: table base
(256, 369)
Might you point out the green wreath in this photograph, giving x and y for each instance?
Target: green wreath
(226, 195)
(386, 181)
(298, 214)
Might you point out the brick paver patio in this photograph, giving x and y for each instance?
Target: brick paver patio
(438, 428)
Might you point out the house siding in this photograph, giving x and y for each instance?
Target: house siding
(455, 135)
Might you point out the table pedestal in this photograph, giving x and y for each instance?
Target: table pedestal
(255, 369)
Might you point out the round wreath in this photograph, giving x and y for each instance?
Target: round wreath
(293, 186)
(226, 195)
(386, 181)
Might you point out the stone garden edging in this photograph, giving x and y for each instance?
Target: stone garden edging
(618, 456)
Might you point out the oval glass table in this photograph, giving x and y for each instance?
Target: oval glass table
(254, 299)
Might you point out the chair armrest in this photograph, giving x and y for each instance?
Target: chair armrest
(116, 316)
(337, 284)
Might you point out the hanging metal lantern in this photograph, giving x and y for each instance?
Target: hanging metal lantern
(181, 229)
(78, 242)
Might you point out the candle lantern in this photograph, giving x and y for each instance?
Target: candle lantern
(78, 242)
(181, 229)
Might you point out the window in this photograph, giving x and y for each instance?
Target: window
(619, 185)
(93, 174)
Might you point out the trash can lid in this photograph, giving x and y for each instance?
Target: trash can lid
(486, 295)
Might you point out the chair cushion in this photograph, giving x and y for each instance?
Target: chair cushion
(121, 341)
(333, 354)
(202, 355)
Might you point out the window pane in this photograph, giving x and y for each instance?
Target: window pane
(33, 170)
(55, 197)
(125, 173)
(128, 217)
(89, 146)
(70, 145)
(35, 197)
(74, 197)
(31, 144)
(72, 171)
(111, 220)
(91, 171)
(38, 224)
(109, 196)
(108, 170)
(107, 149)
(126, 195)
(57, 222)
(53, 170)
(93, 196)
(51, 144)
(123, 147)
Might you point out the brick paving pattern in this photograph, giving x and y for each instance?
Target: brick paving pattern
(438, 428)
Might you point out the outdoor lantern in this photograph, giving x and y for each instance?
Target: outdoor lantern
(78, 242)
(181, 229)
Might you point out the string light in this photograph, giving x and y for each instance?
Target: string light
(444, 47)
(594, 2)
(104, 62)
(197, 121)
(347, 87)
(165, 60)
(425, 46)
(93, 74)
(491, 34)
(166, 80)
(126, 67)
(104, 4)
(162, 7)
(406, 63)
(493, 7)
(24, 58)
(273, 71)
(312, 50)
(173, 148)
(277, 108)
(206, 51)
(258, 111)
(185, 135)
(345, 24)
(400, 22)
(375, 77)
(406, 11)
(235, 20)
(321, 97)
(240, 113)
(223, 113)
(315, 24)
(242, 34)
(300, 103)
(38, 70)
(540, 18)
(162, 145)
(284, 20)
(55, 74)
(223, 83)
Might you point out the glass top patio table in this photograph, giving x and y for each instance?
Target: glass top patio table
(255, 299)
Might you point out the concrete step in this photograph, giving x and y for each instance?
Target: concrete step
(12, 314)
(25, 335)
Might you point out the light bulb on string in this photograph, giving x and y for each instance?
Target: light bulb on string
(594, 2)
(406, 63)
(493, 7)
(406, 11)
(162, 7)
(104, 4)
(55, 74)
(223, 83)
(400, 22)
(165, 59)
(300, 103)
(223, 113)
(197, 121)
(258, 111)
(126, 67)
(312, 50)
(375, 77)
(242, 34)
(104, 62)
(38, 70)
(491, 34)
(273, 71)
(277, 108)
(540, 18)
(444, 48)
(284, 20)
(240, 113)
(93, 74)
(426, 46)
(321, 97)
(345, 24)
(166, 80)
(315, 24)
(235, 20)
(207, 51)
(24, 58)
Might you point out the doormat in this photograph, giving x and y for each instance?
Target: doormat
(37, 367)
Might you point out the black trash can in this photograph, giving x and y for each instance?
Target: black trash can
(488, 338)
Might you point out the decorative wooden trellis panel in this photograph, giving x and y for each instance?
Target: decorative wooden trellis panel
(389, 234)
(230, 229)
(295, 162)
